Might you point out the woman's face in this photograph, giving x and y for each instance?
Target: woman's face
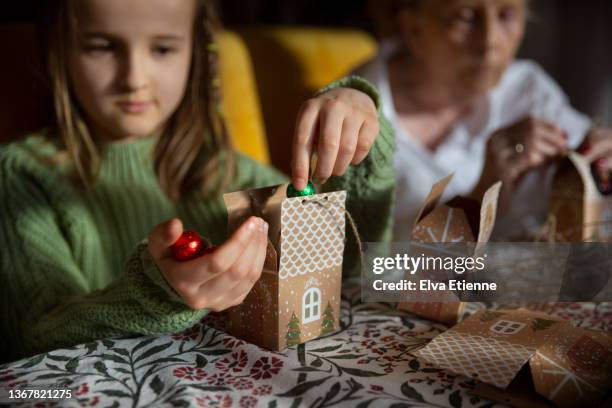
(465, 45)
(129, 62)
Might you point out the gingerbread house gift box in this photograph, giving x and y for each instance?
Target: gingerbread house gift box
(459, 220)
(579, 212)
(297, 297)
(526, 359)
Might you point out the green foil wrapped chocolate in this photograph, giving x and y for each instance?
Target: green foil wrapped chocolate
(292, 192)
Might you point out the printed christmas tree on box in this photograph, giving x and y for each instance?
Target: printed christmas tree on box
(297, 297)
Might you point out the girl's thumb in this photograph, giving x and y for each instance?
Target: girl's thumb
(163, 236)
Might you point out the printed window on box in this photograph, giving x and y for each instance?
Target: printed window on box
(311, 305)
(507, 327)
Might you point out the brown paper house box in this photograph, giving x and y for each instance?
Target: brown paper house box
(297, 297)
(580, 212)
(459, 220)
(569, 366)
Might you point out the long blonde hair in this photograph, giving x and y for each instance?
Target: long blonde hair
(193, 152)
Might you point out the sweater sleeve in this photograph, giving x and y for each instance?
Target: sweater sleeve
(253, 174)
(369, 185)
(46, 298)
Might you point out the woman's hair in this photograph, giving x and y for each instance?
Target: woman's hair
(384, 14)
(193, 151)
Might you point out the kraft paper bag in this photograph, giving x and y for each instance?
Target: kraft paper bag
(579, 211)
(460, 220)
(297, 297)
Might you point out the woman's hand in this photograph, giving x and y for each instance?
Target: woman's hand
(597, 147)
(342, 124)
(520, 147)
(218, 280)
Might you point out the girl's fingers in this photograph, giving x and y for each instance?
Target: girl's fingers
(260, 259)
(227, 254)
(224, 290)
(348, 144)
(221, 290)
(163, 236)
(198, 272)
(223, 287)
(214, 293)
(330, 131)
(240, 292)
(244, 264)
(367, 136)
(303, 141)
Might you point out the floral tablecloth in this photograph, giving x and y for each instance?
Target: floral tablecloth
(367, 364)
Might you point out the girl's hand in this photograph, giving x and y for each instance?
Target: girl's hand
(342, 125)
(514, 150)
(218, 280)
(597, 148)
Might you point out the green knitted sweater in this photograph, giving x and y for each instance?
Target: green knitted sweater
(74, 265)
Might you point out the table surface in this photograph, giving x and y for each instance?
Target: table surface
(367, 364)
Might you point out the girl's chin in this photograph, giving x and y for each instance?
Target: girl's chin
(135, 129)
(117, 133)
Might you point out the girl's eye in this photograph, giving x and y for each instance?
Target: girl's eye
(163, 50)
(99, 47)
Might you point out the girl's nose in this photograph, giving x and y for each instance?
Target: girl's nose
(134, 75)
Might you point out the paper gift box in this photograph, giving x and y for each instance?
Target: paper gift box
(578, 211)
(459, 220)
(569, 366)
(297, 297)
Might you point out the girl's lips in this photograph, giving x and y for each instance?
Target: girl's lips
(134, 107)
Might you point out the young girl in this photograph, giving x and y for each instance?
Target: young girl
(459, 102)
(139, 140)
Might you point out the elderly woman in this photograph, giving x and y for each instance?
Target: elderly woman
(460, 102)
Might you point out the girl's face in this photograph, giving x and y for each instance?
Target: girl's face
(129, 63)
(465, 44)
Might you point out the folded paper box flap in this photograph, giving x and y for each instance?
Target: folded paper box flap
(262, 202)
(569, 366)
(582, 166)
(433, 198)
(574, 368)
(459, 220)
(488, 212)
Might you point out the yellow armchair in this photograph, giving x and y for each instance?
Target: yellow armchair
(291, 64)
(241, 104)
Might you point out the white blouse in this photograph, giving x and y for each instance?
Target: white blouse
(525, 89)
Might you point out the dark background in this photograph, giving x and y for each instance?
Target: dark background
(569, 38)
